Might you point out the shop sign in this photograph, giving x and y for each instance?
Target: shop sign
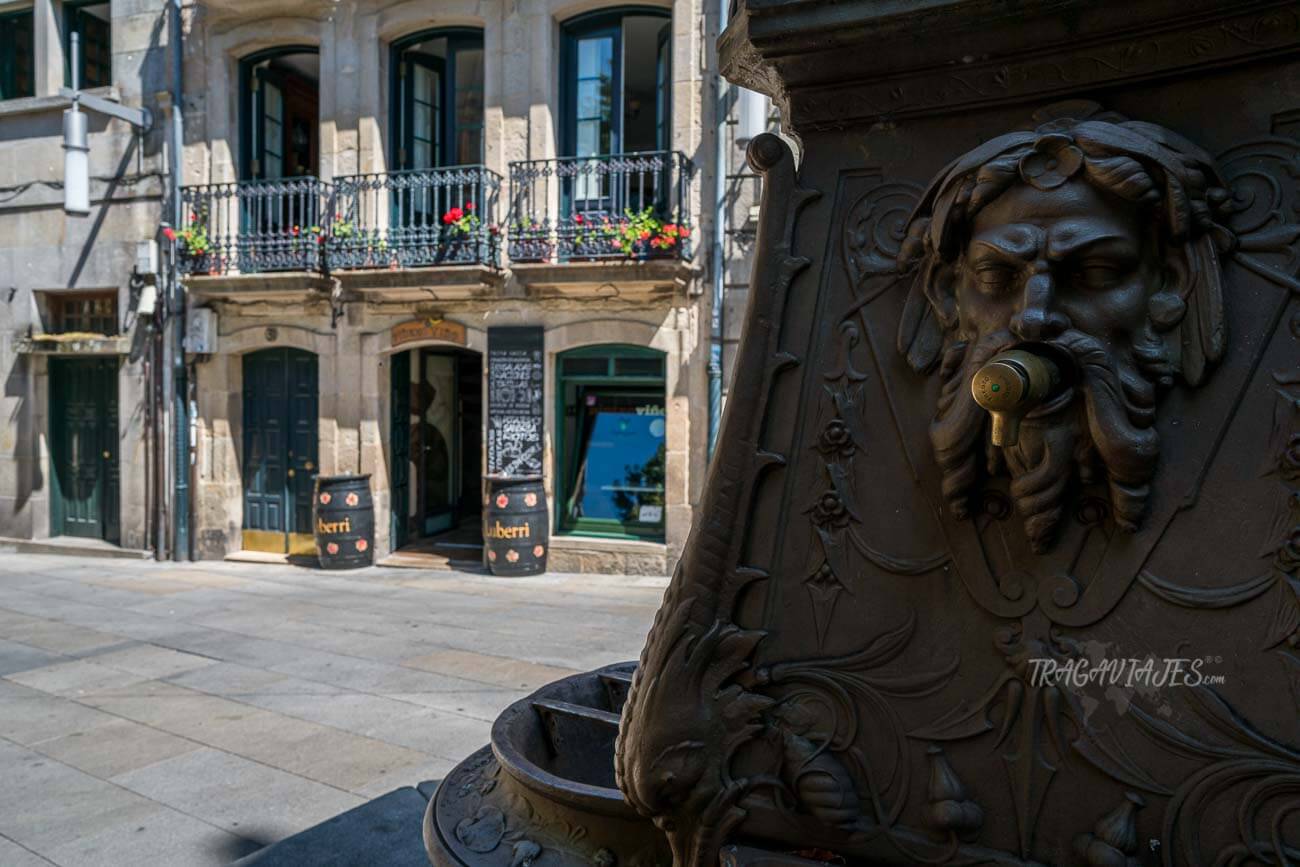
(514, 427)
(428, 329)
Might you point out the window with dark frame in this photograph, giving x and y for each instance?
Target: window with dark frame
(83, 312)
(438, 99)
(612, 442)
(91, 20)
(17, 55)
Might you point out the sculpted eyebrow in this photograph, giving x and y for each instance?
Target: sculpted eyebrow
(1060, 248)
(1016, 248)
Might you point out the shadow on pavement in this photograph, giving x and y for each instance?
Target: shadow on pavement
(385, 831)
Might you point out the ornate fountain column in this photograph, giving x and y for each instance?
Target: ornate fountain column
(997, 560)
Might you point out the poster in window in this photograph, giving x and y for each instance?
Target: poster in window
(514, 428)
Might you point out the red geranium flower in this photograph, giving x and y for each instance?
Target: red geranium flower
(169, 233)
(579, 219)
(645, 233)
(683, 231)
(296, 230)
(469, 206)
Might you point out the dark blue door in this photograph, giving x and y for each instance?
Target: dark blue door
(280, 452)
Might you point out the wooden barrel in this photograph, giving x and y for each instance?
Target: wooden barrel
(516, 527)
(344, 518)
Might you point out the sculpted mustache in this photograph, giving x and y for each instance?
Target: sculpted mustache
(1117, 408)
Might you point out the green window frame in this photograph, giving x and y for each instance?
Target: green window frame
(17, 54)
(96, 43)
(616, 373)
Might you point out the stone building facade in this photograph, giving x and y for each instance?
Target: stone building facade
(74, 443)
(375, 189)
(374, 194)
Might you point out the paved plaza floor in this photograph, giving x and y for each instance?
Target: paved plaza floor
(185, 714)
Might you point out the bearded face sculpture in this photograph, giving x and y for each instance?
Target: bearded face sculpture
(1091, 243)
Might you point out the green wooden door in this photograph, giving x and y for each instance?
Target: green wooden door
(280, 422)
(400, 446)
(83, 440)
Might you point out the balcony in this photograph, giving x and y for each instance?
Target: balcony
(254, 227)
(613, 225)
(409, 235)
(412, 235)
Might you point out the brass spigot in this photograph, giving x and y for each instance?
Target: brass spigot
(1010, 386)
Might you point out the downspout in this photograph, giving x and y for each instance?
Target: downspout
(719, 239)
(176, 308)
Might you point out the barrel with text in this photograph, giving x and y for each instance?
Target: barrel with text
(516, 528)
(344, 519)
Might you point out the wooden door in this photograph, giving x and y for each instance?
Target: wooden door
(280, 445)
(399, 457)
(83, 440)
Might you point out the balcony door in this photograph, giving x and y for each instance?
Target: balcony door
(280, 137)
(437, 123)
(616, 85)
(280, 202)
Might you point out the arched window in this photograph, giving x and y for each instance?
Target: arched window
(437, 110)
(615, 77)
(612, 434)
(279, 113)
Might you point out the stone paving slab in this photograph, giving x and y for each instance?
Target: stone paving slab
(179, 714)
(241, 796)
(115, 747)
(75, 677)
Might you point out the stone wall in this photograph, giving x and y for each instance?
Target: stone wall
(42, 251)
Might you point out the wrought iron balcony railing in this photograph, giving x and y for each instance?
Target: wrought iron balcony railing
(415, 218)
(255, 226)
(616, 206)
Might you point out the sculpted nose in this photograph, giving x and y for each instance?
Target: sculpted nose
(1038, 319)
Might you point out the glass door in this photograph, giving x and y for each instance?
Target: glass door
(438, 432)
(595, 122)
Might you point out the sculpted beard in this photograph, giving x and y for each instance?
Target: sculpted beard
(1103, 423)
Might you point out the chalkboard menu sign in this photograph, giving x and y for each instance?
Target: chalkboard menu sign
(514, 428)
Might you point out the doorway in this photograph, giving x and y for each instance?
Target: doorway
(437, 444)
(83, 448)
(280, 422)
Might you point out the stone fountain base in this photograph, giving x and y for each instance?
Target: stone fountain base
(542, 793)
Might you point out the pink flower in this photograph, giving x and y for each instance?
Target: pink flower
(469, 206)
